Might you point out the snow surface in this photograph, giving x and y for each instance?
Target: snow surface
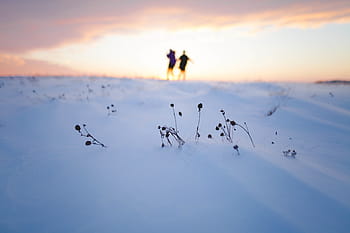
(51, 182)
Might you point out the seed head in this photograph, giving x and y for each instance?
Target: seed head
(163, 128)
(200, 106)
(209, 136)
(235, 147)
(233, 123)
(172, 105)
(87, 143)
(180, 114)
(222, 134)
(77, 127)
(219, 125)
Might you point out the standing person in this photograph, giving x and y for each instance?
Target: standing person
(183, 62)
(172, 62)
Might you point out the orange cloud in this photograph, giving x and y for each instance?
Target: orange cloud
(15, 65)
(7, 59)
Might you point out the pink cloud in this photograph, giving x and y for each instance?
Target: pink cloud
(33, 24)
(14, 65)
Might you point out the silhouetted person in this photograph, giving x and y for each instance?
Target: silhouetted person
(183, 62)
(172, 62)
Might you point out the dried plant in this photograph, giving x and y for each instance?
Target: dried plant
(111, 109)
(235, 147)
(272, 110)
(229, 127)
(197, 136)
(86, 133)
(166, 133)
(180, 114)
(289, 153)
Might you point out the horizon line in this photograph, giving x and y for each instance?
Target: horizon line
(334, 81)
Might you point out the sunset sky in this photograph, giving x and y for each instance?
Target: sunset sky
(252, 40)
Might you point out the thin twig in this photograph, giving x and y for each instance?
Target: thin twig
(197, 133)
(250, 137)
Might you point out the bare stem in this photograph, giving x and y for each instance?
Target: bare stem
(169, 131)
(197, 133)
(250, 137)
(94, 140)
(228, 138)
(175, 119)
(228, 129)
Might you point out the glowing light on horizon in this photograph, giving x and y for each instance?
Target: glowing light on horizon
(234, 53)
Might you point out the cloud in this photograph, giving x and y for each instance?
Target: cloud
(7, 59)
(34, 24)
(15, 65)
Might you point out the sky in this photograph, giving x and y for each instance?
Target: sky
(253, 40)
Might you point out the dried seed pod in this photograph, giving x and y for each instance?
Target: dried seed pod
(200, 106)
(172, 105)
(217, 128)
(77, 127)
(235, 147)
(222, 134)
(209, 136)
(87, 143)
(233, 123)
(180, 114)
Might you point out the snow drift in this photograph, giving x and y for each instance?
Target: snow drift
(51, 182)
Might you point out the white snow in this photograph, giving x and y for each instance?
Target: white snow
(51, 182)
